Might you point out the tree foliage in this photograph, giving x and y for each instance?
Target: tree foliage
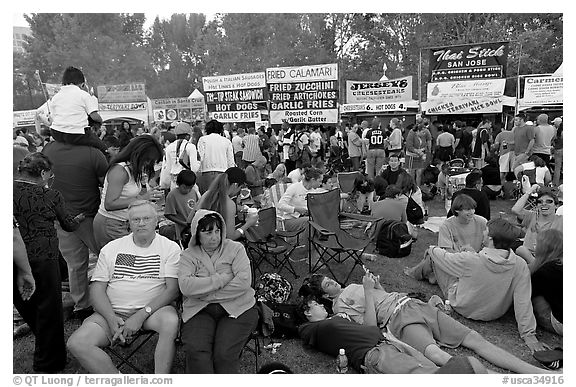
(173, 55)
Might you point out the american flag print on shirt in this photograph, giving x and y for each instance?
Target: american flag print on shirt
(136, 266)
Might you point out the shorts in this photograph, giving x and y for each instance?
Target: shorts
(506, 161)
(414, 162)
(98, 319)
(438, 328)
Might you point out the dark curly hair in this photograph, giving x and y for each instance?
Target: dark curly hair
(34, 164)
(141, 153)
(73, 76)
(214, 126)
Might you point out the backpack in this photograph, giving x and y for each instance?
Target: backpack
(179, 156)
(272, 287)
(294, 151)
(275, 290)
(393, 240)
(414, 212)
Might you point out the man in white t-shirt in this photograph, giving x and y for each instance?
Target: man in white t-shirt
(133, 286)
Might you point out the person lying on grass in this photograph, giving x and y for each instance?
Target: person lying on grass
(413, 322)
(484, 285)
(369, 350)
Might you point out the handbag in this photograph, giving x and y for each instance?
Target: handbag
(414, 212)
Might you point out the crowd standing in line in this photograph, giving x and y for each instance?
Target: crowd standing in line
(105, 188)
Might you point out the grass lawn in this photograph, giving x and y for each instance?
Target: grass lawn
(502, 332)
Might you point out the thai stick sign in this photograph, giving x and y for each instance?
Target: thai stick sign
(392, 90)
(236, 98)
(468, 62)
(543, 90)
(306, 94)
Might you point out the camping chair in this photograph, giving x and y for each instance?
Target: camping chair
(265, 244)
(124, 352)
(346, 181)
(327, 237)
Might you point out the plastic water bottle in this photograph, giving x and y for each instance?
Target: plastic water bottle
(447, 307)
(342, 362)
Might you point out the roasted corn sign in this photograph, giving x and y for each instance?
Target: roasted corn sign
(303, 95)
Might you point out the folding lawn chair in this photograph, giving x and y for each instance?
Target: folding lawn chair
(124, 352)
(327, 238)
(265, 244)
(346, 180)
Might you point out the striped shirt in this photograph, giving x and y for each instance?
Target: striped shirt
(251, 143)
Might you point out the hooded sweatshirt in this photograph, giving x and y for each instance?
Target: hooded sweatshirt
(203, 279)
(485, 285)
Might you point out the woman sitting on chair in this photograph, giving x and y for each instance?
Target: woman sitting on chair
(219, 311)
(219, 198)
(293, 208)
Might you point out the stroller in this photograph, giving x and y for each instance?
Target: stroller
(338, 161)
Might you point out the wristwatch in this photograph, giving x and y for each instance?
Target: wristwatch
(148, 310)
(240, 231)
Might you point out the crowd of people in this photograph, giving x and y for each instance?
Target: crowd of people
(165, 212)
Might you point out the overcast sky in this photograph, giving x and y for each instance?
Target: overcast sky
(19, 21)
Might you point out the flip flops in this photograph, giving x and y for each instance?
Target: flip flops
(550, 358)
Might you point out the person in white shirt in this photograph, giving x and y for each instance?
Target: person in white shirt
(544, 133)
(237, 146)
(216, 154)
(68, 112)
(181, 148)
(292, 206)
(133, 285)
(395, 139)
(316, 144)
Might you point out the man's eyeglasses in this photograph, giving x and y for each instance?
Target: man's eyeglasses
(146, 219)
(545, 201)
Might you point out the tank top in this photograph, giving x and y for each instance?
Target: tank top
(130, 190)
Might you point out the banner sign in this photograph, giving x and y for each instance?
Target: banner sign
(466, 89)
(471, 61)
(236, 81)
(23, 117)
(171, 109)
(305, 94)
(236, 116)
(236, 95)
(385, 91)
(237, 106)
(373, 107)
(123, 106)
(129, 92)
(465, 105)
(325, 72)
(543, 90)
(304, 116)
(236, 98)
(171, 103)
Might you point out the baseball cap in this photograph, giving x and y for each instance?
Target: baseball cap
(182, 128)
